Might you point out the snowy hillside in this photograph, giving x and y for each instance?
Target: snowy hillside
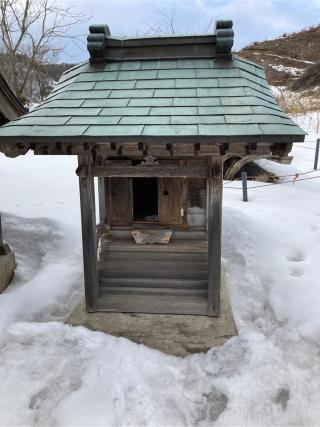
(288, 59)
(53, 374)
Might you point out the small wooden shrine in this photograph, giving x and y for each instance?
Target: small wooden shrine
(10, 109)
(157, 120)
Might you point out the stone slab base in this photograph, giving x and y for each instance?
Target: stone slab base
(7, 265)
(179, 335)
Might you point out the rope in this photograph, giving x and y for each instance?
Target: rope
(301, 146)
(294, 175)
(277, 183)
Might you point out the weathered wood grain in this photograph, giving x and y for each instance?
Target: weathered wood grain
(163, 171)
(120, 200)
(180, 245)
(154, 291)
(170, 200)
(151, 282)
(162, 304)
(1, 236)
(214, 208)
(89, 244)
(102, 199)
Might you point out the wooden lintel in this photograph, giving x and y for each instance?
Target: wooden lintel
(162, 171)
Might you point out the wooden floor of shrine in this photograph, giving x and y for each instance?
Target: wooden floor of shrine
(164, 279)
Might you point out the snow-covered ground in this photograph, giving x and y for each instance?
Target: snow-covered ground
(52, 374)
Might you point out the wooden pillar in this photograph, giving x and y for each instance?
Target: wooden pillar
(88, 221)
(102, 199)
(1, 236)
(214, 209)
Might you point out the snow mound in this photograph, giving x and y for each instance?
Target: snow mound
(48, 279)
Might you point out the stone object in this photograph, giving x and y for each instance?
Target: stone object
(179, 335)
(161, 237)
(7, 265)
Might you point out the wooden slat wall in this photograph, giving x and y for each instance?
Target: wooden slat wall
(170, 201)
(121, 201)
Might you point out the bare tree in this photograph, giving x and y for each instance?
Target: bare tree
(167, 23)
(32, 34)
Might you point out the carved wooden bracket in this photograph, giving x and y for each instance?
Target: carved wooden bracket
(16, 150)
(82, 171)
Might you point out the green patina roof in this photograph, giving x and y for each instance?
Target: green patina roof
(157, 98)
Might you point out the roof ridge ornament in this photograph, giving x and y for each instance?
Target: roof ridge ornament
(224, 38)
(96, 43)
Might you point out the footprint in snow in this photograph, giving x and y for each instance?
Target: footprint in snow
(282, 397)
(295, 256)
(296, 272)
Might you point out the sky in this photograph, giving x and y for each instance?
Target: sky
(254, 20)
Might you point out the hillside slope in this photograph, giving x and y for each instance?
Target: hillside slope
(292, 60)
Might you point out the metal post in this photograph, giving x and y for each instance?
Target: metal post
(244, 186)
(316, 157)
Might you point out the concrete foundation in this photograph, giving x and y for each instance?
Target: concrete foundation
(7, 265)
(179, 335)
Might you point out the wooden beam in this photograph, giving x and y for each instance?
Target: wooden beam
(14, 150)
(214, 208)
(88, 222)
(161, 171)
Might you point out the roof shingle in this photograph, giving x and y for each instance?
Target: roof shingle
(158, 98)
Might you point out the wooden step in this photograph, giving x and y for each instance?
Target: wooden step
(176, 234)
(157, 274)
(175, 246)
(153, 256)
(151, 282)
(162, 304)
(157, 269)
(153, 291)
(151, 265)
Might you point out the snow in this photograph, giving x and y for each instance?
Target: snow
(277, 90)
(57, 375)
(289, 70)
